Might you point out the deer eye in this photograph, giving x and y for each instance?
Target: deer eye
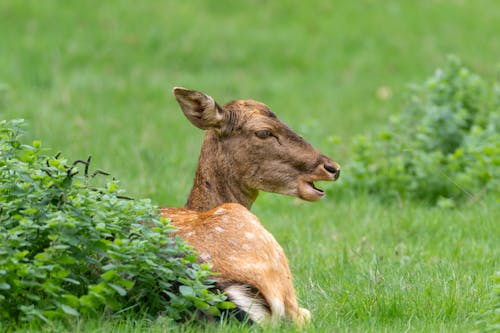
(263, 134)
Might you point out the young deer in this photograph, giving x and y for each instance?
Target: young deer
(246, 150)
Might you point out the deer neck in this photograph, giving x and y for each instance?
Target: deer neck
(215, 182)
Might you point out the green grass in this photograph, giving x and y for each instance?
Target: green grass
(95, 77)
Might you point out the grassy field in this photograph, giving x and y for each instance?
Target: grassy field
(94, 78)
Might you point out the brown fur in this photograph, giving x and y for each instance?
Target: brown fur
(241, 250)
(246, 149)
(235, 163)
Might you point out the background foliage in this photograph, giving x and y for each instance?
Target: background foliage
(445, 145)
(94, 78)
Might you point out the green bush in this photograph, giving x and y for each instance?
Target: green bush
(68, 249)
(443, 148)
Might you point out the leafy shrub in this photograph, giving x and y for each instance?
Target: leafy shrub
(443, 148)
(67, 249)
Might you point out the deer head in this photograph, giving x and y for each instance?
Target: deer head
(248, 149)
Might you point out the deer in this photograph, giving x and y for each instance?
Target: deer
(246, 149)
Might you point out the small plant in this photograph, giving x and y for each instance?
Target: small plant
(68, 249)
(443, 148)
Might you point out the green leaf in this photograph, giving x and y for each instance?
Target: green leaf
(108, 267)
(70, 310)
(213, 311)
(187, 291)
(201, 304)
(87, 301)
(109, 275)
(73, 281)
(118, 289)
(4, 286)
(60, 273)
(66, 260)
(126, 284)
(226, 305)
(71, 300)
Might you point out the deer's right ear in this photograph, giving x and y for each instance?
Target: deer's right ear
(199, 108)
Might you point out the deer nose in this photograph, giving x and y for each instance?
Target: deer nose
(334, 169)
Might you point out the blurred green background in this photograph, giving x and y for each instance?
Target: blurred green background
(95, 78)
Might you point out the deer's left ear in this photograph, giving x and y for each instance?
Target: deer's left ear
(199, 108)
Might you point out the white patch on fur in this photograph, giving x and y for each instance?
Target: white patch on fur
(189, 234)
(220, 211)
(248, 216)
(267, 237)
(277, 309)
(246, 247)
(219, 230)
(254, 221)
(255, 307)
(205, 257)
(249, 235)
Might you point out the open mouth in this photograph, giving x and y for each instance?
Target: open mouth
(315, 189)
(308, 191)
